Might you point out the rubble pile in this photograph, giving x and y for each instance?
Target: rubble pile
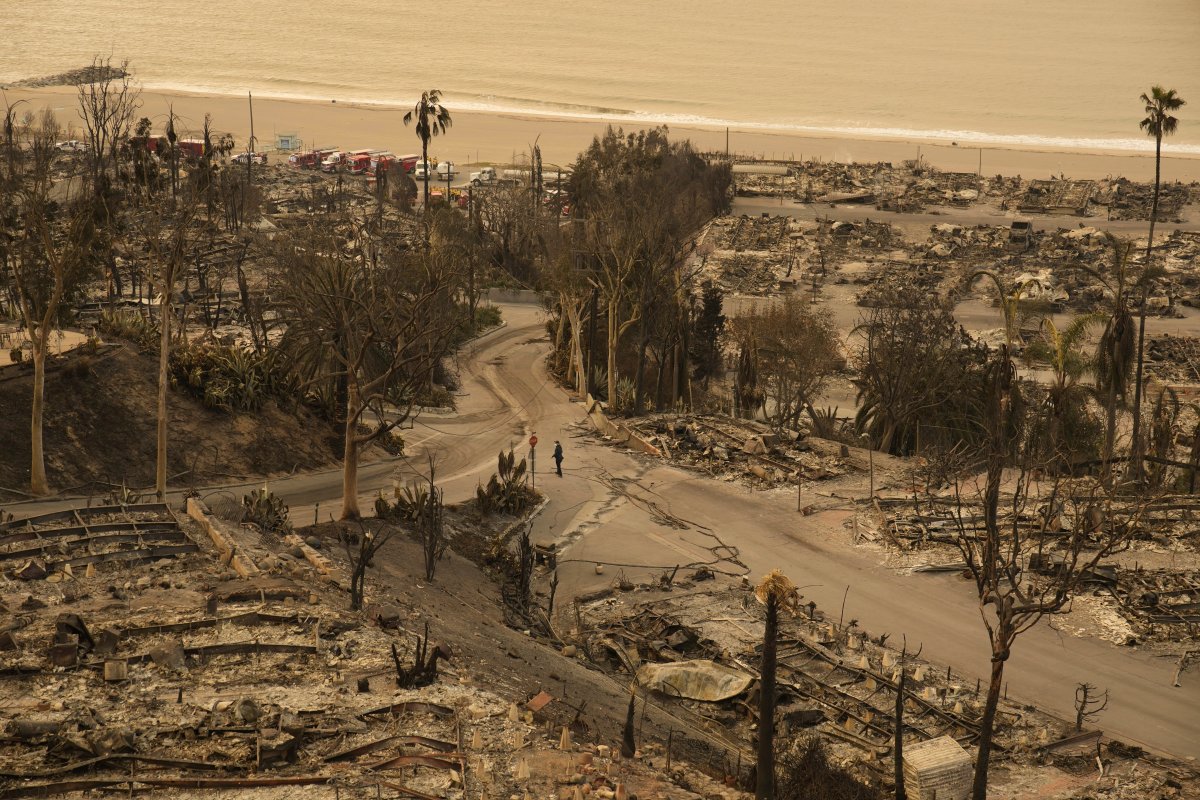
(1134, 200)
(762, 256)
(1057, 197)
(767, 255)
(744, 450)
(156, 664)
(766, 185)
(914, 186)
(1173, 359)
(1162, 605)
(140, 650)
(934, 188)
(694, 647)
(751, 233)
(1159, 607)
(753, 255)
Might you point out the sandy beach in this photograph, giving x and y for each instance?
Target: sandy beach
(500, 137)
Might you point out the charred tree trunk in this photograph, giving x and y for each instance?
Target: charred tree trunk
(765, 768)
(628, 742)
(1137, 444)
(640, 393)
(987, 726)
(164, 355)
(350, 509)
(37, 468)
(898, 749)
(612, 354)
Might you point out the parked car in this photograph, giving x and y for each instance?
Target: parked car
(254, 158)
(72, 146)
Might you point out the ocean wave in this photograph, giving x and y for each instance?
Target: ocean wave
(500, 104)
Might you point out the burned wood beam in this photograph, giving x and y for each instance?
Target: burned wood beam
(87, 532)
(172, 535)
(233, 783)
(415, 761)
(234, 648)
(410, 707)
(433, 744)
(66, 769)
(94, 511)
(248, 619)
(54, 789)
(404, 790)
(128, 556)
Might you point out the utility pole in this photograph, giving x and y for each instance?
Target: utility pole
(870, 462)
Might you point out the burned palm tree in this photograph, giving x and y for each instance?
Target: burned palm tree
(775, 592)
(431, 118)
(1115, 351)
(1159, 104)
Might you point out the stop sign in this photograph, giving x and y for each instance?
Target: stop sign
(533, 441)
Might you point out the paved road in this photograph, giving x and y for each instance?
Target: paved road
(643, 517)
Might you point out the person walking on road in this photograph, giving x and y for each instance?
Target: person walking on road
(558, 457)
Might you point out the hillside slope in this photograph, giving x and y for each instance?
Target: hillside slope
(100, 430)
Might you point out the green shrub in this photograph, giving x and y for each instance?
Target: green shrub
(131, 326)
(487, 317)
(228, 377)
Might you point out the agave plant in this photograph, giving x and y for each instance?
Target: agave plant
(506, 490)
(267, 510)
(825, 423)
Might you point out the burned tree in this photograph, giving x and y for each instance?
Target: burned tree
(47, 230)
(1022, 570)
(920, 374)
(170, 235)
(108, 101)
(361, 548)
(796, 349)
(431, 526)
(375, 321)
(638, 200)
(1089, 702)
(424, 667)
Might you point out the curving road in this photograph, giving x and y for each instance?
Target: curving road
(643, 517)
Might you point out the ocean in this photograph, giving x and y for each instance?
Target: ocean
(1064, 73)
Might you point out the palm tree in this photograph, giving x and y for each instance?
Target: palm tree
(1158, 123)
(1115, 350)
(1014, 303)
(774, 591)
(432, 118)
(1061, 348)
